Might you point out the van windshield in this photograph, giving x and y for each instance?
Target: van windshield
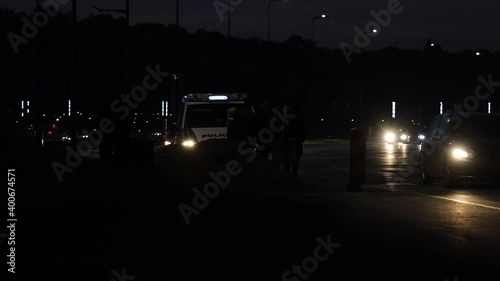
(208, 115)
(479, 127)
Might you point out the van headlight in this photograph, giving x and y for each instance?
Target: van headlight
(460, 153)
(188, 143)
(421, 137)
(403, 137)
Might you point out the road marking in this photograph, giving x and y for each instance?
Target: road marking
(395, 185)
(328, 178)
(456, 200)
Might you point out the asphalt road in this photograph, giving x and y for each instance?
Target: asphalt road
(445, 233)
(102, 221)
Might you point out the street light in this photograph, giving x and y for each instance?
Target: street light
(315, 19)
(372, 31)
(269, 17)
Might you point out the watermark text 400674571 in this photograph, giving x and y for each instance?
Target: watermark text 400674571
(11, 220)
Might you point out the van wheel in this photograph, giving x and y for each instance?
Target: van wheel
(450, 179)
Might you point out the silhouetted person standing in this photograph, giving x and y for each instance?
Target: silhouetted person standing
(238, 124)
(295, 134)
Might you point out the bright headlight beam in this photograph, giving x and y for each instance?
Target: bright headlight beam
(390, 137)
(460, 153)
(188, 143)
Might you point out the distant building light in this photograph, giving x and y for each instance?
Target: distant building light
(478, 53)
(57, 119)
(28, 103)
(441, 108)
(393, 109)
(489, 107)
(28, 111)
(383, 120)
(432, 44)
(322, 119)
(22, 104)
(22, 114)
(69, 107)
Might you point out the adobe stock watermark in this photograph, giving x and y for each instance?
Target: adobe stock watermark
(222, 7)
(221, 179)
(485, 88)
(372, 29)
(120, 106)
(40, 18)
(310, 264)
(121, 276)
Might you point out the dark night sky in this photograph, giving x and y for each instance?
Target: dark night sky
(456, 25)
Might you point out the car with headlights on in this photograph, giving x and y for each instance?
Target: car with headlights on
(397, 135)
(461, 146)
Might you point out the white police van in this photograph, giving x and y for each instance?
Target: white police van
(204, 116)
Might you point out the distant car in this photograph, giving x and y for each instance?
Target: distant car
(457, 148)
(397, 135)
(416, 134)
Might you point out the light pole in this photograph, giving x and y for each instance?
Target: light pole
(429, 44)
(127, 18)
(314, 20)
(72, 76)
(373, 31)
(177, 15)
(269, 17)
(229, 19)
